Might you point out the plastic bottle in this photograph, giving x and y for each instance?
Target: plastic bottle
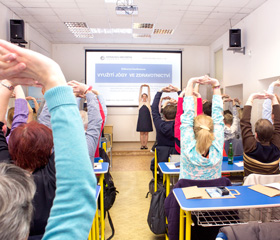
(230, 154)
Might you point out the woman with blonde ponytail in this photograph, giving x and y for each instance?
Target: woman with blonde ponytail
(202, 137)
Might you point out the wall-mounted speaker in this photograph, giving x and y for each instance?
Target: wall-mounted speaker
(235, 38)
(17, 31)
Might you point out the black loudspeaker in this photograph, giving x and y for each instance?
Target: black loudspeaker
(235, 38)
(17, 31)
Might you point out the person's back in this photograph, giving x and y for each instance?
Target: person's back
(164, 128)
(261, 152)
(202, 137)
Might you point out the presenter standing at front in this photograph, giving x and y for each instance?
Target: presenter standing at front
(144, 124)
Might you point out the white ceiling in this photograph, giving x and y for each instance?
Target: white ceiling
(195, 22)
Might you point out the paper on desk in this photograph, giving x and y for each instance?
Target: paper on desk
(271, 192)
(194, 192)
(239, 164)
(171, 165)
(97, 166)
(275, 185)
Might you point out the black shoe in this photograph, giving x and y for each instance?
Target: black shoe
(145, 147)
(142, 148)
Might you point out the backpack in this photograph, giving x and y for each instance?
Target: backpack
(156, 216)
(110, 191)
(152, 186)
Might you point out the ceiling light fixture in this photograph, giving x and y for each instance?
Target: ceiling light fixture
(143, 25)
(79, 29)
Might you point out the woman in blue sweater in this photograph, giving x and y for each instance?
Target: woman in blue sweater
(74, 205)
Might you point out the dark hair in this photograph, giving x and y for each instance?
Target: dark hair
(30, 145)
(144, 94)
(264, 129)
(169, 112)
(207, 108)
(227, 112)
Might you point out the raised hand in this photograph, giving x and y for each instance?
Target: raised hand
(173, 88)
(26, 67)
(78, 88)
(165, 89)
(166, 98)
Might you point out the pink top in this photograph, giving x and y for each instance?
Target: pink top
(177, 133)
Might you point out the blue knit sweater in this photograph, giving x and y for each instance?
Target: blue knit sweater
(74, 204)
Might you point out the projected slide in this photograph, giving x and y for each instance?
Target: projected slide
(118, 75)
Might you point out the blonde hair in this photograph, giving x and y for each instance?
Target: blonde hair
(10, 117)
(228, 119)
(203, 131)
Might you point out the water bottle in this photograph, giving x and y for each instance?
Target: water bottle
(230, 154)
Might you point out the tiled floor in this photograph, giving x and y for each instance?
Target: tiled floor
(131, 177)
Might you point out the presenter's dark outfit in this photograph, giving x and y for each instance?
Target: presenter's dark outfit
(144, 123)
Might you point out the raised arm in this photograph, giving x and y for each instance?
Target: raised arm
(140, 94)
(21, 113)
(36, 105)
(5, 94)
(276, 111)
(94, 117)
(248, 138)
(149, 94)
(74, 173)
(267, 109)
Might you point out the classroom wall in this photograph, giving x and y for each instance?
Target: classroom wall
(255, 70)
(35, 40)
(71, 58)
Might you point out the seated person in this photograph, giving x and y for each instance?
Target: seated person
(180, 112)
(17, 190)
(202, 136)
(164, 128)
(261, 151)
(231, 121)
(75, 178)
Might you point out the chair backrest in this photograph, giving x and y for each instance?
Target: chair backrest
(261, 179)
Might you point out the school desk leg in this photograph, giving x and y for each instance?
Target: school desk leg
(188, 225)
(167, 184)
(181, 226)
(89, 236)
(93, 228)
(96, 225)
(102, 220)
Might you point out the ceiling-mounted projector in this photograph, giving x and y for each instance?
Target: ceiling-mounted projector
(127, 10)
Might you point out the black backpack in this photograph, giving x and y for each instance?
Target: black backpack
(110, 191)
(156, 217)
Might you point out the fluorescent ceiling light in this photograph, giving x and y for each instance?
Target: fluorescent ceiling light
(135, 35)
(163, 31)
(111, 30)
(79, 29)
(143, 25)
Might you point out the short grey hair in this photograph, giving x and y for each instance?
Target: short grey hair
(17, 189)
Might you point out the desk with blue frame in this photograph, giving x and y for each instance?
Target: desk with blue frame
(239, 205)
